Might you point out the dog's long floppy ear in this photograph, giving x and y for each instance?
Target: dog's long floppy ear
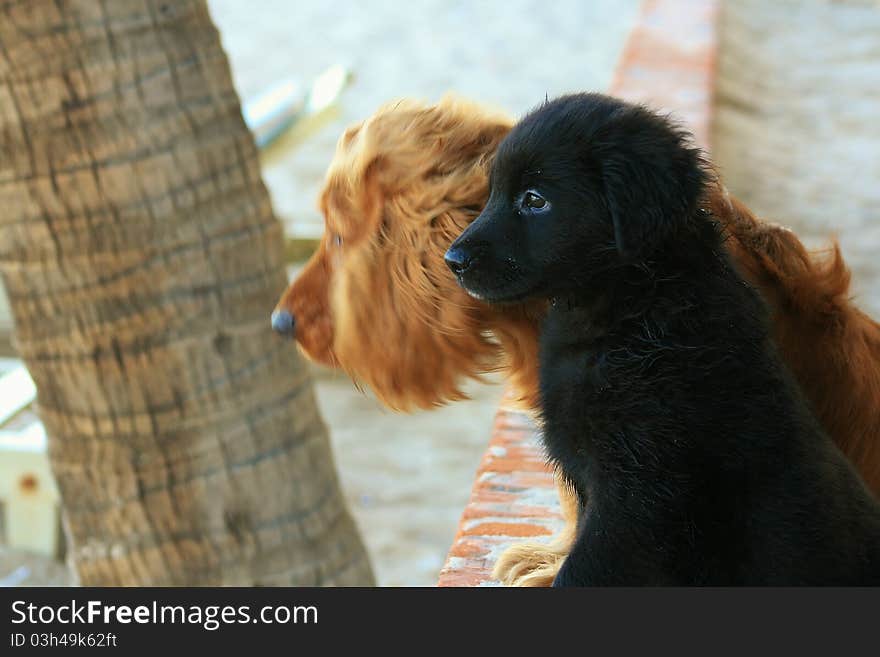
(653, 179)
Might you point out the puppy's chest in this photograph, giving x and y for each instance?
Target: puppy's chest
(573, 377)
(579, 380)
(577, 364)
(593, 388)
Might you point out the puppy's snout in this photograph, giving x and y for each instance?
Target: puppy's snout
(458, 259)
(283, 322)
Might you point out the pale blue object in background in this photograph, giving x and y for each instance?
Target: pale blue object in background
(278, 108)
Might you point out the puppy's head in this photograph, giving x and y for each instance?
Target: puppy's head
(581, 184)
(376, 298)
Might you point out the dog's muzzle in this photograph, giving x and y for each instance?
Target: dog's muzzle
(458, 260)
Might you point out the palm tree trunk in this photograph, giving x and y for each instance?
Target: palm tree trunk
(142, 258)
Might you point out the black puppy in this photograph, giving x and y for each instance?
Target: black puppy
(664, 402)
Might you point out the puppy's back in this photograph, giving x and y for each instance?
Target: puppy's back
(667, 404)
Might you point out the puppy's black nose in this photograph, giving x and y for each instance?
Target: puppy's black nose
(283, 322)
(458, 260)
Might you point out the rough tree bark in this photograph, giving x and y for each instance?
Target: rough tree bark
(142, 258)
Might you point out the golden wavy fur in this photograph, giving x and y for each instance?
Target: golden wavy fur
(377, 299)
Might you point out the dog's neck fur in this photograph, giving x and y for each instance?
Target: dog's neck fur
(609, 294)
(648, 337)
(689, 445)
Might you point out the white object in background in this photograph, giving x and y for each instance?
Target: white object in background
(278, 108)
(27, 487)
(273, 111)
(17, 390)
(28, 492)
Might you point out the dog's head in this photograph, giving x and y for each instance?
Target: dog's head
(376, 298)
(581, 184)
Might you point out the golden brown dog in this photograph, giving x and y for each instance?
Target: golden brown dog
(377, 299)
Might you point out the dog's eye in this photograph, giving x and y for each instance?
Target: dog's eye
(337, 239)
(533, 201)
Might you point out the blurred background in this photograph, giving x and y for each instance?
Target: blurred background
(408, 478)
(795, 136)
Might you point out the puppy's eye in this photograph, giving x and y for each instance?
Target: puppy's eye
(336, 239)
(533, 201)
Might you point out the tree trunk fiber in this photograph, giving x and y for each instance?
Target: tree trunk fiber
(142, 258)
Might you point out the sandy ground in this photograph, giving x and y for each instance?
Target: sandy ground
(407, 478)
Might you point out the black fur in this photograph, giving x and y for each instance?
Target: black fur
(664, 401)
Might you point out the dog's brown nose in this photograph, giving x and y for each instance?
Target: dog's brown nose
(283, 322)
(458, 260)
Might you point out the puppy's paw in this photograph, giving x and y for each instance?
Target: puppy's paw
(530, 564)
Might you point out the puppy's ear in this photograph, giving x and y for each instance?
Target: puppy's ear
(653, 179)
